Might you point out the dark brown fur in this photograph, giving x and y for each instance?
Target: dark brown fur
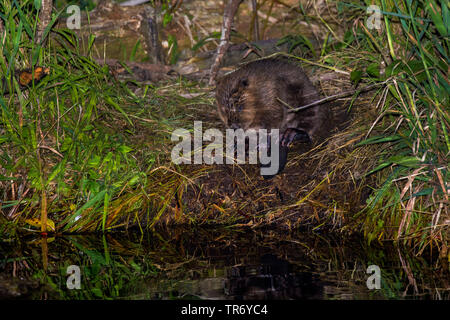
(249, 98)
(260, 95)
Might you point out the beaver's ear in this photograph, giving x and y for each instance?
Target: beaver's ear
(243, 83)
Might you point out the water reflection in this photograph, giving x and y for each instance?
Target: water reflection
(214, 264)
(272, 278)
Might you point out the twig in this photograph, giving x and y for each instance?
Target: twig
(153, 17)
(230, 12)
(2, 29)
(339, 95)
(255, 23)
(133, 3)
(45, 15)
(187, 23)
(291, 56)
(266, 19)
(202, 29)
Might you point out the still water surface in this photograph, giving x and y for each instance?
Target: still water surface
(215, 264)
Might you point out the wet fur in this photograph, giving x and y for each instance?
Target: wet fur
(248, 98)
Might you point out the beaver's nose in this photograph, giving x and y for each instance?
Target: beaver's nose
(234, 126)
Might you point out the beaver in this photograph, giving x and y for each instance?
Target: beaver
(260, 94)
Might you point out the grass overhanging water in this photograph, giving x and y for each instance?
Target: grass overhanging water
(82, 151)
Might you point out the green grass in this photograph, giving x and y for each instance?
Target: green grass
(410, 201)
(89, 153)
(79, 144)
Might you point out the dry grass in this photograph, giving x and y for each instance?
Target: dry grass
(322, 185)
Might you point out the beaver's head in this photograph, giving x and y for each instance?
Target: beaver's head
(232, 95)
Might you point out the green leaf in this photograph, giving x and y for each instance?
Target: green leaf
(134, 179)
(379, 139)
(37, 4)
(393, 68)
(433, 10)
(416, 69)
(107, 158)
(410, 161)
(124, 149)
(356, 76)
(23, 19)
(91, 42)
(200, 43)
(284, 40)
(67, 143)
(424, 192)
(373, 70)
(174, 53)
(378, 168)
(94, 162)
(167, 19)
(105, 210)
(135, 49)
(110, 101)
(35, 55)
(55, 172)
(88, 127)
(3, 139)
(71, 220)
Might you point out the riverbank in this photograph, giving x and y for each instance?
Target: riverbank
(84, 150)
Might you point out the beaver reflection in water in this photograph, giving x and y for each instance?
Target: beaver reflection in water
(259, 96)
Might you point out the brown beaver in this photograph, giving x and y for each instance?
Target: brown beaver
(260, 95)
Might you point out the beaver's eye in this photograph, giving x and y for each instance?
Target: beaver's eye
(244, 82)
(240, 107)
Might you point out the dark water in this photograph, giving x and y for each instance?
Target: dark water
(215, 264)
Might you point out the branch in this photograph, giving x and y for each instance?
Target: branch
(255, 23)
(228, 16)
(45, 15)
(2, 29)
(338, 96)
